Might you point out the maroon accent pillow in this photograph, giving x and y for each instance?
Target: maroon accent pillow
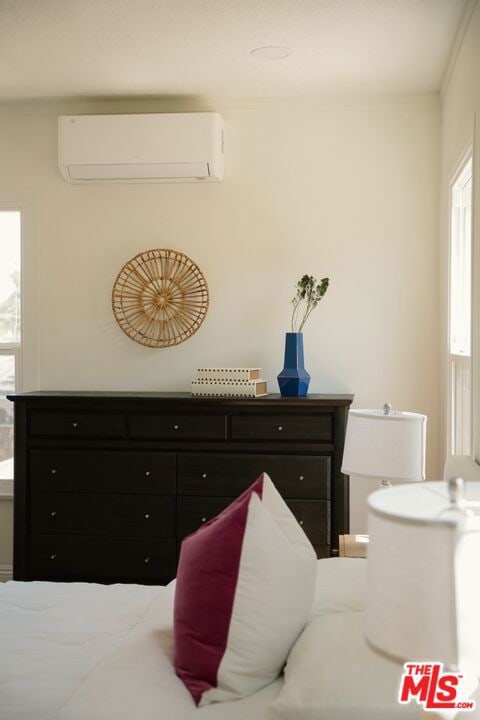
(244, 591)
(203, 609)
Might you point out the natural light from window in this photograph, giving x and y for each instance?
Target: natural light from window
(460, 312)
(10, 330)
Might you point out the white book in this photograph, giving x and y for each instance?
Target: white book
(235, 388)
(222, 374)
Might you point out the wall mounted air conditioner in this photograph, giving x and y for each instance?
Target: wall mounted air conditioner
(166, 147)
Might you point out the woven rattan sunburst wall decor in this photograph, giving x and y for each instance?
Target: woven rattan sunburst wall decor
(160, 298)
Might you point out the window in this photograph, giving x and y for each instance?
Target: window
(460, 312)
(10, 330)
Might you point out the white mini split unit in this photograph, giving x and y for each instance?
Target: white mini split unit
(166, 147)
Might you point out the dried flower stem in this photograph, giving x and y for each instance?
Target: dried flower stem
(308, 293)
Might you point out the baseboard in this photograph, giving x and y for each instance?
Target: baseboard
(6, 573)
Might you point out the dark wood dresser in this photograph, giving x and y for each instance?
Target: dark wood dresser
(108, 484)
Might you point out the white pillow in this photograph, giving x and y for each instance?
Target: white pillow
(341, 585)
(332, 674)
(244, 592)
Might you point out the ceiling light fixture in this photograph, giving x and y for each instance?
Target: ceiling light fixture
(271, 52)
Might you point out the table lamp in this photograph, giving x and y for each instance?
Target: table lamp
(381, 446)
(423, 585)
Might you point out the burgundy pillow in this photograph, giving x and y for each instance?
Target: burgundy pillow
(244, 591)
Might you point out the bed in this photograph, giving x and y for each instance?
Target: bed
(83, 651)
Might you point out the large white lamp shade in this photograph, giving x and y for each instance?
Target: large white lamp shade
(385, 446)
(423, 589)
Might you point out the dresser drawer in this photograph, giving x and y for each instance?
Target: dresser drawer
(311, 428)
(295, 476)
(178, 427)
(102, 471)
(64, 557)
(313, 516)
(93, 514)
(75, 424)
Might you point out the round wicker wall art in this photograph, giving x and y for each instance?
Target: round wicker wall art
(160, 298)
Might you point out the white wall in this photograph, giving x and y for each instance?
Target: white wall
(460, 105)
(348, 191)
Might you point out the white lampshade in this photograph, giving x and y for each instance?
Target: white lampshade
(423, 589)
(385, 446)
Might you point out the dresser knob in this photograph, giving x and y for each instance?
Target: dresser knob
(147, 473)
(300, 522)
(75, 424)
(300, 477)
(204, 520)
(147, 560)
(176, 427)
(146, 516)
(280, 428)
(204, 475)
(53, 513)
(53, 471)
(52, 557)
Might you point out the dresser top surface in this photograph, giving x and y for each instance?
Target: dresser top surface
(270, 400)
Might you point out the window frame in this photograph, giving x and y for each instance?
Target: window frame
(15, 348)
(464, 176)
(25, 352)
(475, 298)
(467, 156)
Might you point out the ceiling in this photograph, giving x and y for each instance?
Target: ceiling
(201, 48)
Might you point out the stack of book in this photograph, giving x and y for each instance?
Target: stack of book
(229, 382)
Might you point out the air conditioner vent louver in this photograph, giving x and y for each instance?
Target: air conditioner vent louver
(173, 147)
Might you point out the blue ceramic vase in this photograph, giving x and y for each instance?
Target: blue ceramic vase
(294, 379)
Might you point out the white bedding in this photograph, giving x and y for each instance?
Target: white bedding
(92, 652)
(145, 686)
(52, 636)
(96, 652)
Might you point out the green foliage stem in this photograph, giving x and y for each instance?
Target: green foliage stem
(308, 294)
